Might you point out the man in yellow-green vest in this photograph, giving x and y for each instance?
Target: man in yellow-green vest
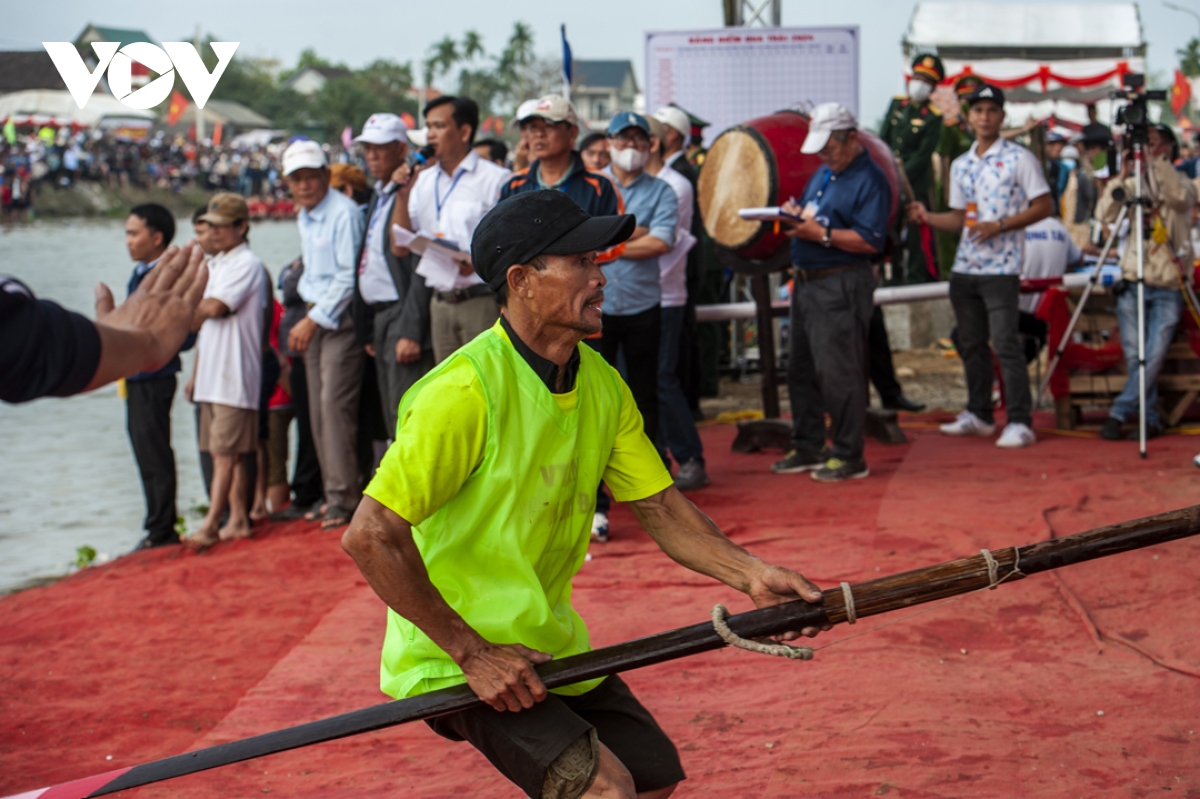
(480, 515)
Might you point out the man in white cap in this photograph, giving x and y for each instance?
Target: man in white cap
(698, 343)
(331, 228)
(391, 302)
(842, 225)
(550, 126)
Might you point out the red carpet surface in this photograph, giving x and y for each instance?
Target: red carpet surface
(1082, 682)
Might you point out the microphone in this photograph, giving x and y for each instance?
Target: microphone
(424, 155)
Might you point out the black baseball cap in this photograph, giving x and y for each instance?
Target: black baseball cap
(535, 223)
(985, 92)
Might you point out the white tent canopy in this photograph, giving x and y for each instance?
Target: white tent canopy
(57, 107)
(1027, 26)
(1052, 57)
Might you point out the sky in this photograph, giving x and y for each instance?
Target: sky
(360, 31)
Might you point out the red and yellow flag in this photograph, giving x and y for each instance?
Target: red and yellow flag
(175, 110)
(1181, 92)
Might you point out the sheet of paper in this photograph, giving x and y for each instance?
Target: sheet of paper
(438, 268)
(402, 236)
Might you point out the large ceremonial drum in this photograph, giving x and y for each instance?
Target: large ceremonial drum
(759, 163)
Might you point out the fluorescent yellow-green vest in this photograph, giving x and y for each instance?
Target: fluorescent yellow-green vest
(503, 551)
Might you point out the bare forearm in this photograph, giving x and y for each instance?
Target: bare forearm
(693, 540)
(1038, 210)
(946, 221)
(382, 546)
(646, 247)
(123, 353)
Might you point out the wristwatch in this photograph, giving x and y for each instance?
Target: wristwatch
(827, 238)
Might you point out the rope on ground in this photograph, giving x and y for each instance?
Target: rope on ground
(720, 614)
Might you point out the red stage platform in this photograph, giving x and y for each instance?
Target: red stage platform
(1081, 682)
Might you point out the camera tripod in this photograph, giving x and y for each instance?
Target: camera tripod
(1139, 202)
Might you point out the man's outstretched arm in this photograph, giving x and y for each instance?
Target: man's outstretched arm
(381, 543)
(693, 540)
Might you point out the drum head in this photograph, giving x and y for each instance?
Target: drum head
(739, 172)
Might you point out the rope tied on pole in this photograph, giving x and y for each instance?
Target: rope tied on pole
(993, 567)
(719, 616)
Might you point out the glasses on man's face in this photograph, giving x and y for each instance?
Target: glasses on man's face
(637, 142)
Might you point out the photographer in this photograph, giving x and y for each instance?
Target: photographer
(1165, 243)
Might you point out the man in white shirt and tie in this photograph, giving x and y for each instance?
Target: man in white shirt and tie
(446, 201)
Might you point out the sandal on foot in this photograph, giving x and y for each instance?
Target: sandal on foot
(336, 516)
(318, 512)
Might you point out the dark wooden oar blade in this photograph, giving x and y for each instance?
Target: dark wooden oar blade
(882, 595)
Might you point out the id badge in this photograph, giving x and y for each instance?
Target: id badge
(810, 210)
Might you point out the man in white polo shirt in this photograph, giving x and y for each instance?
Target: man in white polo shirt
(391, 303)
(997, 188)
(331, 230)
(446, 201)
(228, 370)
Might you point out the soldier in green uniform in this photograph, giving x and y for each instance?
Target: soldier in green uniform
(956, 139)
(912, 127)
(696, 150)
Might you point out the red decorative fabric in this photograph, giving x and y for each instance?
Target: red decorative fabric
(1054, 311)
(1043, 75)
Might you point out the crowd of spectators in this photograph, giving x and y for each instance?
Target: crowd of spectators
(43, 159)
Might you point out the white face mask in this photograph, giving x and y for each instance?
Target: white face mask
(630, 159)
(919, 90)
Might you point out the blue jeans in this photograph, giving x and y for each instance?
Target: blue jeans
(1163, 307)
(676, 430)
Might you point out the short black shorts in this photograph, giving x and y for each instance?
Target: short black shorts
(522, 745)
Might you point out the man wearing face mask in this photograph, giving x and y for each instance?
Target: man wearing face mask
(912, 127)
(632, 300)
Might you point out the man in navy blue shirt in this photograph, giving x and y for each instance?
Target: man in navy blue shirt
(148, 231)
(843, 222)
(550, 125)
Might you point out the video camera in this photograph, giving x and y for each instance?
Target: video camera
(1134, 114)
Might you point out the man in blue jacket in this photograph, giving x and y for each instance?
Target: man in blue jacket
(149, 229)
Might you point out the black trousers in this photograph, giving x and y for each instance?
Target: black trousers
(148, 419)
(827, 369)
(306, 478)
(638, 336)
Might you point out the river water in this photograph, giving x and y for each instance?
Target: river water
(67, 475)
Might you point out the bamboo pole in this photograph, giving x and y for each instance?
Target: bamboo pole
(895, 592)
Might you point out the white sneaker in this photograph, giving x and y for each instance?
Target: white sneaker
(968, 424)
(1015, 436)
(600, 527)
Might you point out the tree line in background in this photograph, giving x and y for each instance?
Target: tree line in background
(497, 81)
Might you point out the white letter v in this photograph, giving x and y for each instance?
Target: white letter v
(74, 72)
(195, 76)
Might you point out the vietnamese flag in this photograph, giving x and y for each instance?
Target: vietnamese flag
(1181, 92)
(175, 110)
